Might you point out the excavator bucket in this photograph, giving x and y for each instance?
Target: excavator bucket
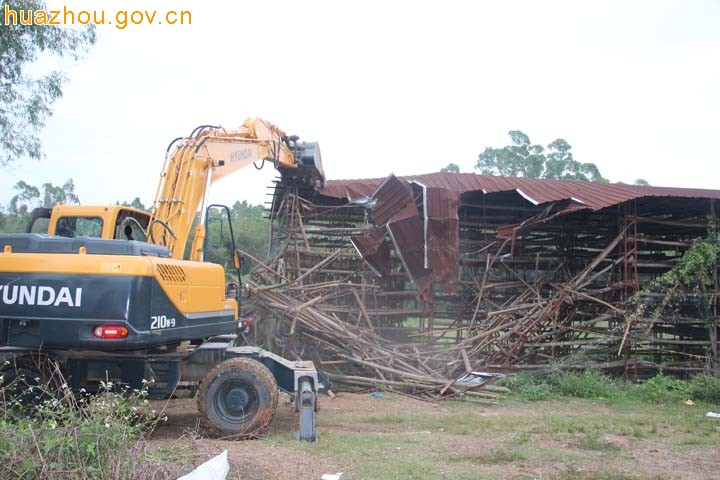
(309, 169)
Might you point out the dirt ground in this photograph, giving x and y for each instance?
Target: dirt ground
(399, 437)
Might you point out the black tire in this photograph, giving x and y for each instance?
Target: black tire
(238, 398)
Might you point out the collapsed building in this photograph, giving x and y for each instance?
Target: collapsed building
(456, 272)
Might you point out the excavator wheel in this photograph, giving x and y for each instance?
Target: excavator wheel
(238, 398)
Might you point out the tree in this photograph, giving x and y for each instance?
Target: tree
(451, 168)
(21, 205)
(136, 203)
(29, 196)
(641, 181)
(251, 234)
(25, 200)
(25, 100)
(523, 159)
(65, 193)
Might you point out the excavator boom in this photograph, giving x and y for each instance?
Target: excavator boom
(210, 153)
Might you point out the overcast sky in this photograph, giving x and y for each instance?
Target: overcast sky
(393, 87)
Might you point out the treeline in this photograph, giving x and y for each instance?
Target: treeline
(249, 226)
(15, 216)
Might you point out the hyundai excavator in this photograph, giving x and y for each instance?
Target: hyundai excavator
(108, 307)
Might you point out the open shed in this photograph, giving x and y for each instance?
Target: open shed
(500, 272)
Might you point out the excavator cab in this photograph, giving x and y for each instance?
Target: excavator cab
(219, 247)
(113, 222)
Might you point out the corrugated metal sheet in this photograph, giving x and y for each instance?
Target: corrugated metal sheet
(392, 197)
(440, 203)
(427, 240)
(406, 235)
(374, 250)
(441, 236)
(537, 191)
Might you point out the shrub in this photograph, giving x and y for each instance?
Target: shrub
(705, 388)
(588, 384)
(50, 433)
(592, 384)
(532, 388)
(660, 389)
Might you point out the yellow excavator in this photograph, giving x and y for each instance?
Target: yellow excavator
(107, 295)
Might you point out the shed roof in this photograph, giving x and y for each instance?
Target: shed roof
(536, 191)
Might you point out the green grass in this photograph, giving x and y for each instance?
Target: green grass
(627, 418)
(583, 427)
(461, 441)
(378, 455)
(594, 385)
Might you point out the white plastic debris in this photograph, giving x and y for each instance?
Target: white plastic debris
(331, 476)
(712, 415)
(216, 468)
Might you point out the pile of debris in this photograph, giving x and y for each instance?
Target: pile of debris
(305, 325)
(411, 283)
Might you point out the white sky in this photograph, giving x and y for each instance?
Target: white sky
(400, 87)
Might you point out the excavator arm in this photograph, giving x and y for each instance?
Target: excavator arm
(194, 163)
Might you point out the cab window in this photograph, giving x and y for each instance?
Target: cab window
(79, 227)
(40, 225)
(131, 226)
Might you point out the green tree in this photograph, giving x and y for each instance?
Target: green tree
(65, 193)
(251, 235)
(523, 159)
(28, 197)
(25, 99)
(25, 200)
(451, 168)
(136, 203)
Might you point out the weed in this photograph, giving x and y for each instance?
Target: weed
(48, 432)
(588, 384)
(705, 388)
(595, 442)
(661, 388)
(521, 438)
(496, 457)
(593, 385)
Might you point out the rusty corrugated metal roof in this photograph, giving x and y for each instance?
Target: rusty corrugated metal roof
(374, 249)
(537, 191)
(426, 239)
(395, 196)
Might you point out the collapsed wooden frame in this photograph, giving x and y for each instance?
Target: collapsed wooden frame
(533, 288)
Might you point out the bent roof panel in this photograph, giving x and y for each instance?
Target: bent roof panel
(593, 195)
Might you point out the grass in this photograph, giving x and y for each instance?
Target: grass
(583, 427)
(586, 426)
(593, 385)
(458, 444)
